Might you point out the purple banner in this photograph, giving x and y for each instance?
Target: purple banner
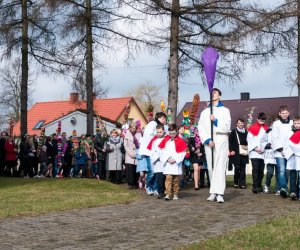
(209, 60)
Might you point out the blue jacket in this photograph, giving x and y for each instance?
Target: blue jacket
(80, 158)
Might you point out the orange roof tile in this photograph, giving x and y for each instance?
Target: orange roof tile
(110, 108)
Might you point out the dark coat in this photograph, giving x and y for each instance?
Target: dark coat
(25, 150)
(43, 158)
(68, 153)
(52, 149)
(234, 146)
(194, 158)
(2, 149)
(99, 146)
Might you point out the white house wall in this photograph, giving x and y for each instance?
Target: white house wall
(68, 127)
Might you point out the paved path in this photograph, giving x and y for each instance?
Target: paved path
(148, 223)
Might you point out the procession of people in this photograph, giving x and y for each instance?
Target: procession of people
(161, 158)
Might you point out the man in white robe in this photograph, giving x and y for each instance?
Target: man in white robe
(221, 127)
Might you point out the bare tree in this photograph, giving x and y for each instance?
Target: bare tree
(146, 94)
(234, 28)
(281, 29)
(88, 29)
(79, 86)
(26, 24)
(10, 90)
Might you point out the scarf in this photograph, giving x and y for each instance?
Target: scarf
(295, 138)
(115, 140)
(135, 141)
(255, 128)
(241, 130)
(180, 145)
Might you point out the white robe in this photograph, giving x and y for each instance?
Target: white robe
(256, 141)
(149, 132)
(281, 133)
(217, 173)
(292, 154)
(170, 152)
(155, 155)
(268, 153)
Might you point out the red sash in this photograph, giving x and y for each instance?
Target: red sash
(255, 128)
(180, 144)
(295, 138)
(151, 142)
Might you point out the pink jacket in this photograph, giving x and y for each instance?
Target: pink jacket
(130, 147)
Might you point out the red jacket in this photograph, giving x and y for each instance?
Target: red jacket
(10, 154)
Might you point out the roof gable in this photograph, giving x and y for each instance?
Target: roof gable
(110, 109)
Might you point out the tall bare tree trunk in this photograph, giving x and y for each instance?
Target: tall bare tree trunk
(174, 61)
(89, 69)
(24, 81)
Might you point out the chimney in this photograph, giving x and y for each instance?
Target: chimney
(94, 96)
(245, 96)
(74, 97)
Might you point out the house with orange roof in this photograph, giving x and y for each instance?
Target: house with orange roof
(73, 117)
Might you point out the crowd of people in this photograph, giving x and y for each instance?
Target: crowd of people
(161, 158)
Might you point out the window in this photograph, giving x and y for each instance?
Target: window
(39, 124)
(129, 120)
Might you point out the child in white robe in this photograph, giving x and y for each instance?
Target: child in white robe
(174, 151)
(292, 154)
(155, 154)
(256, 133)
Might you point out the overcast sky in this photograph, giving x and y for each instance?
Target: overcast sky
(268, 81)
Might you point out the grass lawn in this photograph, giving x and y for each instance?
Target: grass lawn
(282, 233)
(35, 196)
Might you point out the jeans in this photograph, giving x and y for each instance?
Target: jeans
(43, 168)
(298, 184)
(77, 170)
(293, 181)
(270, 173)
(281, 170)
(151, 184)
(55, 169)
(94, 169)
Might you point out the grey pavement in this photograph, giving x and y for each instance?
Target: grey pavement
(147, 223)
